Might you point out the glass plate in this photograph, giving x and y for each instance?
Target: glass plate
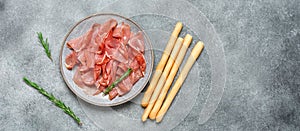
(202, 90)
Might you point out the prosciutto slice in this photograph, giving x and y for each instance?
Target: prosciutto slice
(71, 60)
(103, 54)
(137, 42)
(79, 43)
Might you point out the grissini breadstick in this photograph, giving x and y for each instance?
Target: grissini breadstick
(161, 64)
(170, 79)
(191, 60)
(162, 78)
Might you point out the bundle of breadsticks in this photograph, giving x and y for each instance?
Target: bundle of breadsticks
(155, 100)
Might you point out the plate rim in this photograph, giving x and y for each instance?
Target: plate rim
(122, 101)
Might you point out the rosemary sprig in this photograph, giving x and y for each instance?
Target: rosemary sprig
(57, 102)
(108, 89)
(45, 44)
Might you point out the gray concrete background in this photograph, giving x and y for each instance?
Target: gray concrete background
(262, 49)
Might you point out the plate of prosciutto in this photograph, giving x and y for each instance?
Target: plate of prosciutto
(106, 59)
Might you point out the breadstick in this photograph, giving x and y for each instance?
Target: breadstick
(170, 79)
(192, 58)
(161, 64)
(162, 78)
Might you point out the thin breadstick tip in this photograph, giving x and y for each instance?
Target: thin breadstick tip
(179, 24)
(200, 43)
(177, 29)
(188, 36)
(144, 119)
(144, 105)
(158, 119)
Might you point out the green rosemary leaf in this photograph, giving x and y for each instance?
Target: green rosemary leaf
(108, 89)
(57, 102)
(45, 45)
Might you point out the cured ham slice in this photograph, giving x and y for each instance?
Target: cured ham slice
(116, 55)
(124, 86)
(135, 76)
(137, 42)
(103, 54)
(112, 94)
(77, 79)
(87, 58)
(97, 71)
(101, 59)
(79, 43)
(122, 32)
(71, 60)
(141, 62)
(88, 78)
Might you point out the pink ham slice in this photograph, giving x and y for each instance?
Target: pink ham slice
(113, 71)
(122, 32)
(123, 67)
(141, 62)
(97, 72)
(124, 51)
(137, 42)
(124, 86)
(101, 59)
(112, 46)
(90, 59)
(87, 59)
(137, 73)
(135, 76)
(81, 42)
(88, 78)
(113, 93)
(138, 61)
(71, 60)
(120, 72)
(116, 55)
(107, 27)
(95, 44)
(77, 79)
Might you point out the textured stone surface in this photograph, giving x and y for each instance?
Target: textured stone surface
(261, 42)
